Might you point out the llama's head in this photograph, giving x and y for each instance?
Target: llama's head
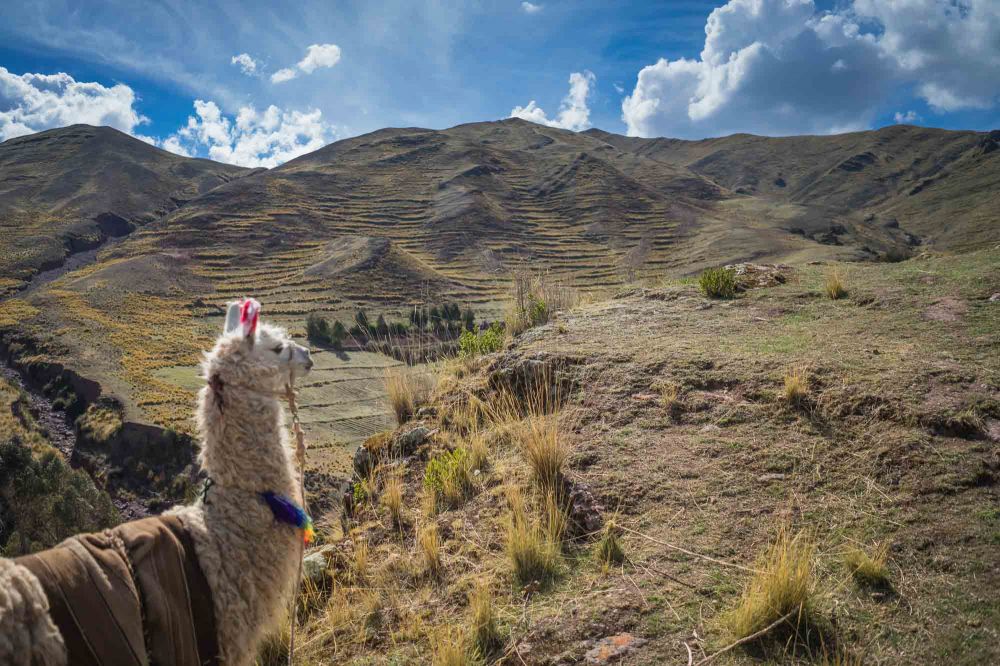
(261, 357)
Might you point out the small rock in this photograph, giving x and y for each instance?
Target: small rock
(410, 440)
(995, 298)
(774, 476)
(613, 648)
(711, 427)
(316, 563)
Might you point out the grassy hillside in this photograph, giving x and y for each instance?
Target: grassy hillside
(859, 434)
(69, 189)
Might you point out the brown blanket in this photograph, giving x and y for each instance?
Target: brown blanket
(131, 596)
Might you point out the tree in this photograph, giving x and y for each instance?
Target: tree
(469, 319)
(362, 321)
(337, 334)
(381, 328)
(318, 329)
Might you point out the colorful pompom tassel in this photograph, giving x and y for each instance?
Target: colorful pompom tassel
(287, 511)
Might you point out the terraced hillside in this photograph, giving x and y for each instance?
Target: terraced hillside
(406, 216)
(70, 189)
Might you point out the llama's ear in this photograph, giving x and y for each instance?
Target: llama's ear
(232, 317)
(249, 316)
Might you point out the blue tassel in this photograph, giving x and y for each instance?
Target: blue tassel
(287, 511)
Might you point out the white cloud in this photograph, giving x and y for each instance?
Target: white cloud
(253, 139)
(246, 64)
(317, 56)
(282, 75)
(530, 8)
(781, 67)
(907, 118)
(34, 102)
(574, 114)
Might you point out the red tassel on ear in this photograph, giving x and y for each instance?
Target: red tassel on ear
(249, 315)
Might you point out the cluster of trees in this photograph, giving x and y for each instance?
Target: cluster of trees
(448, 319)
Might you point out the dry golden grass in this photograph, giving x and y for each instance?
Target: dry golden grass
(783, 584)
(360, 563)
(429, 541)
(392, 499)
(484, 629)
(479, 452)
(533, 555)
(407, 392)
(448, 648)
(556, 514)
(869, 568)
(834, 287)
(545, 449)
(840, 658)
(534, 298)
(796, 386)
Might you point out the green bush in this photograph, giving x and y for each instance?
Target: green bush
(43, 500)
(718, 282)
(449, 477)
(482, 342)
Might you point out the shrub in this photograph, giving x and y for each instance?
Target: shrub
(448, 477)
(718, 282)
(43, 500)
(783, 584)
(796, 386)
(869, 570)
(834, 286)
(472, 344)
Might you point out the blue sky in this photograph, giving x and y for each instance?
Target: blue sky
(687, 68)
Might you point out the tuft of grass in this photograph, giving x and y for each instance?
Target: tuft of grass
(448, 648)
(718, 282)
(796, 386)
(670, 398)
(834, 286)
(479, 452)
(485, 633)
(360, 564)
(429, 541)
(609, 550)
(532, 553)
(534, 298)
(556, 514)
(546, 451)
(392, 499)
(869, 569)
(783, 584)
(407, 392)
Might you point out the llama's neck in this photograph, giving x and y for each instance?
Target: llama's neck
(246, 445)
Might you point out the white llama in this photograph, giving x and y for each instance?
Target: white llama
(249, 557)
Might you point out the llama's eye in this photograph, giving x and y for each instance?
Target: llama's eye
(278, 349)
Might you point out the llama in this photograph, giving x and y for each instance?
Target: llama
(248, 558)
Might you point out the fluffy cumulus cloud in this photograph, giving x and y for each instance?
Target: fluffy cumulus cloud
(574, 114)
(317, 56)
(782, 67)
(907, 118)
(530, 8)
(34, 102)
(254, 138)
(246, 63)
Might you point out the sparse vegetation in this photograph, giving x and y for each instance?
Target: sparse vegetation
(472, 344)
(718, 282)
(392, 499)
(834, 287)
(782, 585)
(534, 298)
